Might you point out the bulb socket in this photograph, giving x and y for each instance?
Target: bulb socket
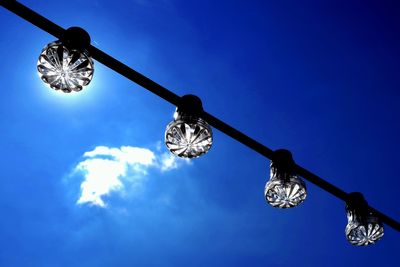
(76, 38)
(190, 105)
(282, 163)
(358, 206)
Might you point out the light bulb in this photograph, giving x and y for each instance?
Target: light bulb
(363, 227)
(285, 189)
(188, 135)
(64, 69)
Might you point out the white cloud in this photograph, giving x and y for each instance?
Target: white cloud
(169, 162)
(108, 169)
(127, 154)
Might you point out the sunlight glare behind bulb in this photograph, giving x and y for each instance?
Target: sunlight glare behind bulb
(65, 69)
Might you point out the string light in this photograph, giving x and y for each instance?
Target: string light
(363, 227)
(65, 65)
(285, 189)
(188, 135)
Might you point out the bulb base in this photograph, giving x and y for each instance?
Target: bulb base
(188, 136)
(363, 227)
(64, 69)
(285, 189)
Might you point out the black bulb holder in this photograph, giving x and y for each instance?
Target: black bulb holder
(76, 38)
(190, 105)
(358, 206)
(282, 163)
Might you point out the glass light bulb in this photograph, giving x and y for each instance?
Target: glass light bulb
(363, 229)
(64, 69)
(188, 136)
(284, 190)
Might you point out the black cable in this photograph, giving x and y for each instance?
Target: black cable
(33, 17)
(58, 32)
(133, 75)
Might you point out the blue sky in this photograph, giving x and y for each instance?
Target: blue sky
(320, 78)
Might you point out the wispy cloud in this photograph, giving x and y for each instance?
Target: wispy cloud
(108, 170)
(169, 162)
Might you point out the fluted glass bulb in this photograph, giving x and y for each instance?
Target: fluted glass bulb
(284, 190)
(64, 69)
(188, 136)
(362, 229)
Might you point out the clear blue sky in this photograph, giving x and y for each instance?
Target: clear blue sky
(320, 78)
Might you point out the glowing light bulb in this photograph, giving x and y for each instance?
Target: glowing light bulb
(285, 189)
(188, 135)
(64, 69)
(363, 227)
(65, 65)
